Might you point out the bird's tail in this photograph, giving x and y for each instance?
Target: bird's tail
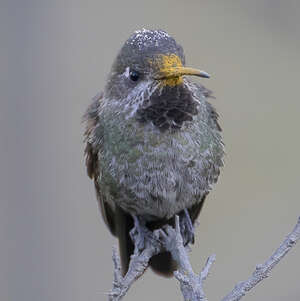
(163, 264)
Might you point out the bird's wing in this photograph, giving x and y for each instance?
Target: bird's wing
(118, 221)
(211, 110)
(92, 160)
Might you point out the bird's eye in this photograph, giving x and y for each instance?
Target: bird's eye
(134, 75)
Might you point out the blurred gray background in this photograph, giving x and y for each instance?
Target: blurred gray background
(55, 56)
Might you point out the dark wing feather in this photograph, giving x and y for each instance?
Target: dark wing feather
(124, 223)
(91, 119)
(211, 110)
(195, 210)
(119, 222)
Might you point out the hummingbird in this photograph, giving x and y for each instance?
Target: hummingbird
(153, 143)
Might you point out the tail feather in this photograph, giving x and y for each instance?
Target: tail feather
(124, 223)
(163, 264)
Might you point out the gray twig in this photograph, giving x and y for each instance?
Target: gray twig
(138, 264)
(263, 270)
(191, 284)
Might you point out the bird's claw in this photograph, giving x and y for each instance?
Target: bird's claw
(170, 237)
(140, 233)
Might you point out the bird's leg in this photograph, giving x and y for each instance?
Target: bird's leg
(140, 232)
(186, 227)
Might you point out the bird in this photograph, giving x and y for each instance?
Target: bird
(153, 144)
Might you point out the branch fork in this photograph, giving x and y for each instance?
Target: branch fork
(191, 284)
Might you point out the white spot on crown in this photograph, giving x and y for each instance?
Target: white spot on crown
(144, 36)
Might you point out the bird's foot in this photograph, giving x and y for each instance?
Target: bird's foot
(140, 233)
(186, 227)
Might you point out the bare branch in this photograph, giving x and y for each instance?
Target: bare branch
(191, 284)
(138, 264)
(262, 271)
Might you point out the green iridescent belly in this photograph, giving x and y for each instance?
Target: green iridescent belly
(145, 170)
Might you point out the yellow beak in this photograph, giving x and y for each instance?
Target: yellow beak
(170, 70)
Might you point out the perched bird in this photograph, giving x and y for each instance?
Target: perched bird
(153, 143)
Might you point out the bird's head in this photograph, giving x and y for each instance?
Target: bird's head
(149, 67)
